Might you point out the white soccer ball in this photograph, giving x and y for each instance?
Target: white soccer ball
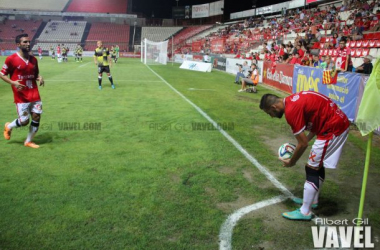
(286, 151)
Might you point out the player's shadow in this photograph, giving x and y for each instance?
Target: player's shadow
(330, 207)
(40, 139)
(45, 138)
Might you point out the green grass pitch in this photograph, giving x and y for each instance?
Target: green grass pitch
(139, 168)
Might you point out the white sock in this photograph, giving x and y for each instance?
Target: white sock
(32, 131)
(309, 192)
(13, 124)
(316, 198)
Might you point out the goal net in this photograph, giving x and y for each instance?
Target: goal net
(154, 52)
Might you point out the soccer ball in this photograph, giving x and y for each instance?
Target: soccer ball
(286, 151)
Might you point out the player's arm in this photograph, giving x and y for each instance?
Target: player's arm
(95, 59)
(39, 77)
(302, 145)
(109, 58)
(348, 57)
(16, 84)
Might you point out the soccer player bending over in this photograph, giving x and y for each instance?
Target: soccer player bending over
(23, 72)
(308, 110)
(103, 61)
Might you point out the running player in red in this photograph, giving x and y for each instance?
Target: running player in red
(23, 72)
(308, 110)
(40, 52)
(59, 58)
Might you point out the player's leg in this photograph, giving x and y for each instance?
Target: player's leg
(101, 69)
(107, 70)
(36, 108)
(22, 120)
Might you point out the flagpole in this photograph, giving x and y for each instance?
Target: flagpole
(365, 175)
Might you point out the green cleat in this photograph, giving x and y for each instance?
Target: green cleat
(299, 201)
(296, 215)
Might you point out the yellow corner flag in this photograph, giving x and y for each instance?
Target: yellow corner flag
(368, 118)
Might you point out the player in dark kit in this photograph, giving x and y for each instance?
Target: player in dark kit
(23, 72)
(103, 61)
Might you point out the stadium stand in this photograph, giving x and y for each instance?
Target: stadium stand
(110, 34)
(188, 33)
(158, 34)
(41, 5)
(61, 31)
(208, 32)
(11, 28)
(99, 6)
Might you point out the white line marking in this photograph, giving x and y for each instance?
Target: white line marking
(85, 64)
(202, 89)
(225, 235)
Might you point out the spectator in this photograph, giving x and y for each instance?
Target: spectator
(366, 67)
(253, 80)
(243, 71)
(328, 64)
(296, 59)
(315, 61)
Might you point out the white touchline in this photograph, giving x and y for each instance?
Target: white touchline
(225, 235)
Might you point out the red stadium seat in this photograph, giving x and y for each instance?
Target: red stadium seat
(377, 44)
(327, 39)
(358, 44)
(335, 53)
(368, 36)
(358, 52)
(365, 44)
(321, 45)
(352, 44)
(365, 52)
(372, 43)
(323, 40)
(376, 35)
(331, 52)
(353, 52)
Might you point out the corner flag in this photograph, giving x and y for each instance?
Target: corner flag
(369, 110)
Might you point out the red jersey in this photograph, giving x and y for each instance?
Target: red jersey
(295, 60)
(25, 70)
(39, 51)
(342, 56)
(312, 111)
(58, 50)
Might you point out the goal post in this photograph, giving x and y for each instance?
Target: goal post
(154, 52)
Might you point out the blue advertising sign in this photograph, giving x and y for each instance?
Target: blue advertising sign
(344, 93)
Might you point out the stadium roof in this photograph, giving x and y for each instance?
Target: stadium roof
(163, 8)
